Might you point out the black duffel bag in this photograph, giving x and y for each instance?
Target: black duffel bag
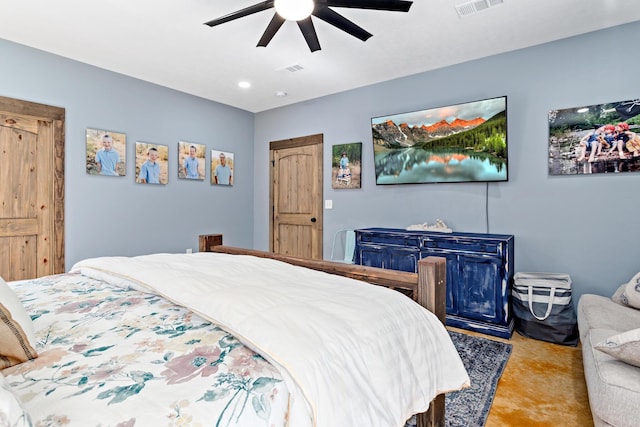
(543, 309)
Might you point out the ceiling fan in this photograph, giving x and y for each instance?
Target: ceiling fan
(302, 11)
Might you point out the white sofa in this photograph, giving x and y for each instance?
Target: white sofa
(613, 385)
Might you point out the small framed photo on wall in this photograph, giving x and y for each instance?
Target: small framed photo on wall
(346, 161)
(152, 163)
(106, 152)
(191, 160)
(222, 167)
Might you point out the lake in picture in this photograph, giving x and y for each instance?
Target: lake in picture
(417, 165)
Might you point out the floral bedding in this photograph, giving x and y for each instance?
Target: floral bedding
(350, 354)
(111, 356)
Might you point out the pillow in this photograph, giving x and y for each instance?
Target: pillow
(17, 335)
(632, 292)
(619, 296)
(624, 347)
(12, 412)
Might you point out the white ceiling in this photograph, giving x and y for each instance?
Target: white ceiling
(167, 43)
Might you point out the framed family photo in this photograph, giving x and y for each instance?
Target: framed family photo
(106, 152)
(191, 160)
(152, 163)
(222, 167)
(595, 139)
(346, 165)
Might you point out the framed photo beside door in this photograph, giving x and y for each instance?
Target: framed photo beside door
(106, 152)
(346, 163)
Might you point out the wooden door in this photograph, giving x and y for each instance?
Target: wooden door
(296, 196)
(31, 189)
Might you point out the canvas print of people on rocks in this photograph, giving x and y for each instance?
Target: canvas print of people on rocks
(603, 138)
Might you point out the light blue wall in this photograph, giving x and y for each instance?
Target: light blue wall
(581, 225)
(115, 216)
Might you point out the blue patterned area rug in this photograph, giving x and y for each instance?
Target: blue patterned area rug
(484, 360)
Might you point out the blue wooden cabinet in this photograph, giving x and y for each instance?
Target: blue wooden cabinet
(479, 271)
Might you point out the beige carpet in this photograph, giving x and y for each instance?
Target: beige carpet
(542, 385)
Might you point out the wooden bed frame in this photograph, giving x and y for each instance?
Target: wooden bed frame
(427, 288)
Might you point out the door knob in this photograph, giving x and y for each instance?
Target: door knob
(313, 219)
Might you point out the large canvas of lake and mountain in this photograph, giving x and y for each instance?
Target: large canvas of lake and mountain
(458, 143)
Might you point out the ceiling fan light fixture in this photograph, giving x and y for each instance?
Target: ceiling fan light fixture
(301, 11)
(294, 10)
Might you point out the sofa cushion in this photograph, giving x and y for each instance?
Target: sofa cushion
(598, 312)
(624, 347)
(614, 386)
(632, 292)
(619, 296)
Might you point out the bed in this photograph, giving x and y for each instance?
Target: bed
(231, 337)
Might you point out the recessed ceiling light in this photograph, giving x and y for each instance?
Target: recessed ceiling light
(244, 84)
(281, 94)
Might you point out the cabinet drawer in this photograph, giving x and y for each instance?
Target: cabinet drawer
(463, 245)
(390, 239)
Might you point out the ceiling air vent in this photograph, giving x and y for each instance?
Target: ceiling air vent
(291, 68)
(473, 7)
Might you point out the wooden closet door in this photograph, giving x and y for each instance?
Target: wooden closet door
(296, 196)
(31, 190)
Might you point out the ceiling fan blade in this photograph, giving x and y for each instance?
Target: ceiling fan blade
(391, 5)
(272, 29)
(309, 33)
(258, 7)
(331, 17)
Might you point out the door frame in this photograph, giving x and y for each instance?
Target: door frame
(315, 139)
(57, 117)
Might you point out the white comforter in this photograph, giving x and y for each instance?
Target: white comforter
(351, 354)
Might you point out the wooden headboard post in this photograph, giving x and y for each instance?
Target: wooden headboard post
(432, 288)
(427, 288)
(432, 285)
(208, 241)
